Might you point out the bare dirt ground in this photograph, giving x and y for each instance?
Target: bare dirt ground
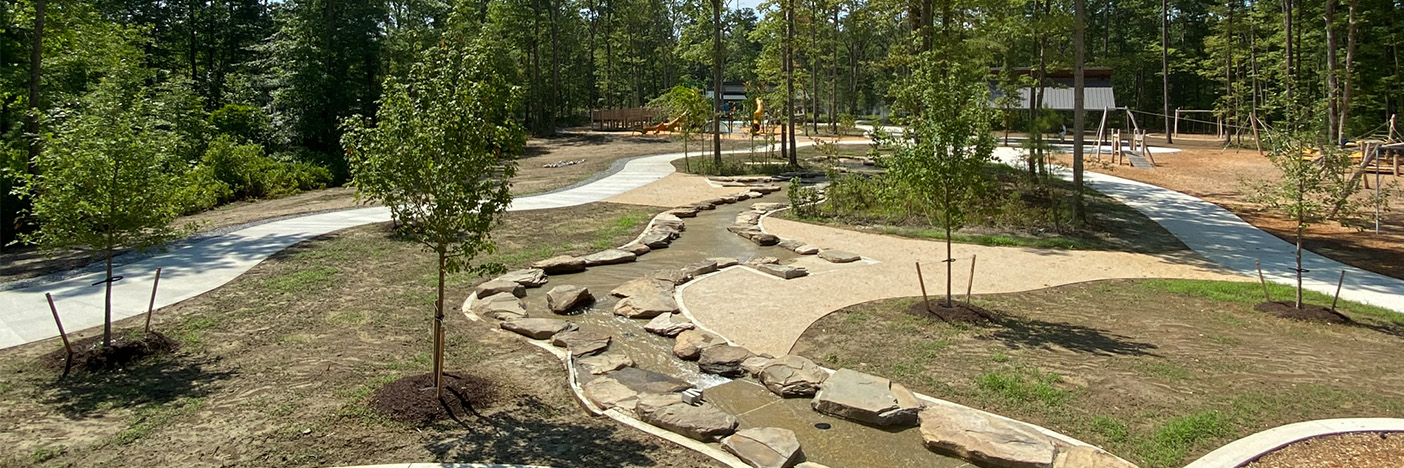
(276, 367)
(1156, 371)
(1354, 450)
(597, 149)
(1226, 177)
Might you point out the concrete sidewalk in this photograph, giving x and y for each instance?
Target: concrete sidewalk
(1224, 238)
(190, 269)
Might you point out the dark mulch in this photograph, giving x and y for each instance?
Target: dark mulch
(411, 399)
(1307, 313)
(127, 348)
(962, 312)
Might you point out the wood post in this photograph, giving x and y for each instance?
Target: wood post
(66, 346)
(1339, 282)
(924, 298)
(152, 305)
(1266, 297)
(1176, 131)
(970, 282)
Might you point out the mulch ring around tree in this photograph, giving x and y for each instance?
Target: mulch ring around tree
(127, 348)
(961, 312)
(1307, 313)
(412, 399)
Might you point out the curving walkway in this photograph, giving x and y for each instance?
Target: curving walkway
(190, 269)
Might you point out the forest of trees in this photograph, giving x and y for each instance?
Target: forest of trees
(255, 91)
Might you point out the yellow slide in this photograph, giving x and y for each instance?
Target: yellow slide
(670, 125)
(757, 116)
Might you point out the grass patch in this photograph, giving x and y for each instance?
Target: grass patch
(1252, 293)
(151, 419)
(1024, 387)
(307, 280)
(1173, 440)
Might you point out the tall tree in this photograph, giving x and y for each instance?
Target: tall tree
(1165, 68)
(716, 82)
(1079, 106)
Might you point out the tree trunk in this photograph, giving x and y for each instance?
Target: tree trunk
(36, 74)
(1332, 85)
(1299, 265)
(107, 303)
(1287, 62)
(950, 261)
(555, 70)
(1079, 107)
(1349, 77)
(789, 65)
(1165, 67)
(716, 82)
(439, 329)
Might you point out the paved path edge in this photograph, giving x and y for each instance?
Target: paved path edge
(1243, 451)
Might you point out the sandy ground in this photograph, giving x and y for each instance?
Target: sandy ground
(1228, 177)
(768, 315)
(676, 189)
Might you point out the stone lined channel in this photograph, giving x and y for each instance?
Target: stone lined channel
(823, 439)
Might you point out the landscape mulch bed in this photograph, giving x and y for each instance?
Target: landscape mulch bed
(1354, 450)
(412, 399)
(1307, 312)
(962, 312)
(127, 348)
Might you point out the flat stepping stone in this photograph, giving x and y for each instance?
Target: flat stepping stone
(609, 257)
(724, 262)
(789, 244)
(672, 276)
(501, 306)
(646, 306)
(561, 265)
(642, 286)
(792, 376)
(764, 447)
(686, 212)
(636, 249)
(700, 268)
(581, 343)
(980, 438)
(723, 360)
(608, 393)
(765, 207)
(783, 271)
(765, 240)
(766, 188)
(562, 299)
(690, 343)
(839, 256)
(748, 217)
(647, 381)
(498, 286)
(704, 422)
(656, 240)
(669, 325)
(537, 328)
(530, 277)
(807, 249)
(602, 363)
(853, 395)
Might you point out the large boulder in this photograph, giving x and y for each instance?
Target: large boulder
(782, 271)
(561, 264)
(703, 422)
(609, 257)
(690, 344)
(1082, 456)
(498, 286)
(669, 325)
(537, 328)
(723, 360)
(562, 299)
(789, 244)
(764, 239)
(839, 256)
(636, 249)
(646, 306)
(655, 240)
(501, 306)
(643, 286)
(866, 398)
(581, 343)
(530, 277)
(684, 211)
(602, 363)
(766, 189)
(669, 221)
(792, 376)
(765, 447)
(807, 249)
(755, 364)
(978, 437)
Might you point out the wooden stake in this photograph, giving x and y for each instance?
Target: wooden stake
(1338, 291)
(970, 283)
(924, 298)
(152, 306)
(66, 347)
(1266, 297)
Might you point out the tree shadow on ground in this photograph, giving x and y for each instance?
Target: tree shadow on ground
(529, 434)
(156, 381)
(1019, 333)
(1382, 326)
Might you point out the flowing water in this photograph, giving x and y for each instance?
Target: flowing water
(841, 444)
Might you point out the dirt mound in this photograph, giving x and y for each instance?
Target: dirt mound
(1307, 313)
(962, 312)
(411, 399)
(127, 348)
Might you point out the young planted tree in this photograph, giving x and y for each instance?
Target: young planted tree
(691, 107)
(440, 155)
(943, 164)
(106, 178)
(1309, 188)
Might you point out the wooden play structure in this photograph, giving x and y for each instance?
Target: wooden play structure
(624, 119)
(1131, 149)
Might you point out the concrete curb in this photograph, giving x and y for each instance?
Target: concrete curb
(1243, 451)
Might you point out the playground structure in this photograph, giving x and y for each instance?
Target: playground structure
(671, 125)
(1133, 152)
(624, 119)
(757, 117)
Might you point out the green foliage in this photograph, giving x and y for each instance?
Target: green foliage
(441, 153)
(686, 102)
(1018, 387)
(245, 124)
(804, 201)
(230, 172)
(1173, 440)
